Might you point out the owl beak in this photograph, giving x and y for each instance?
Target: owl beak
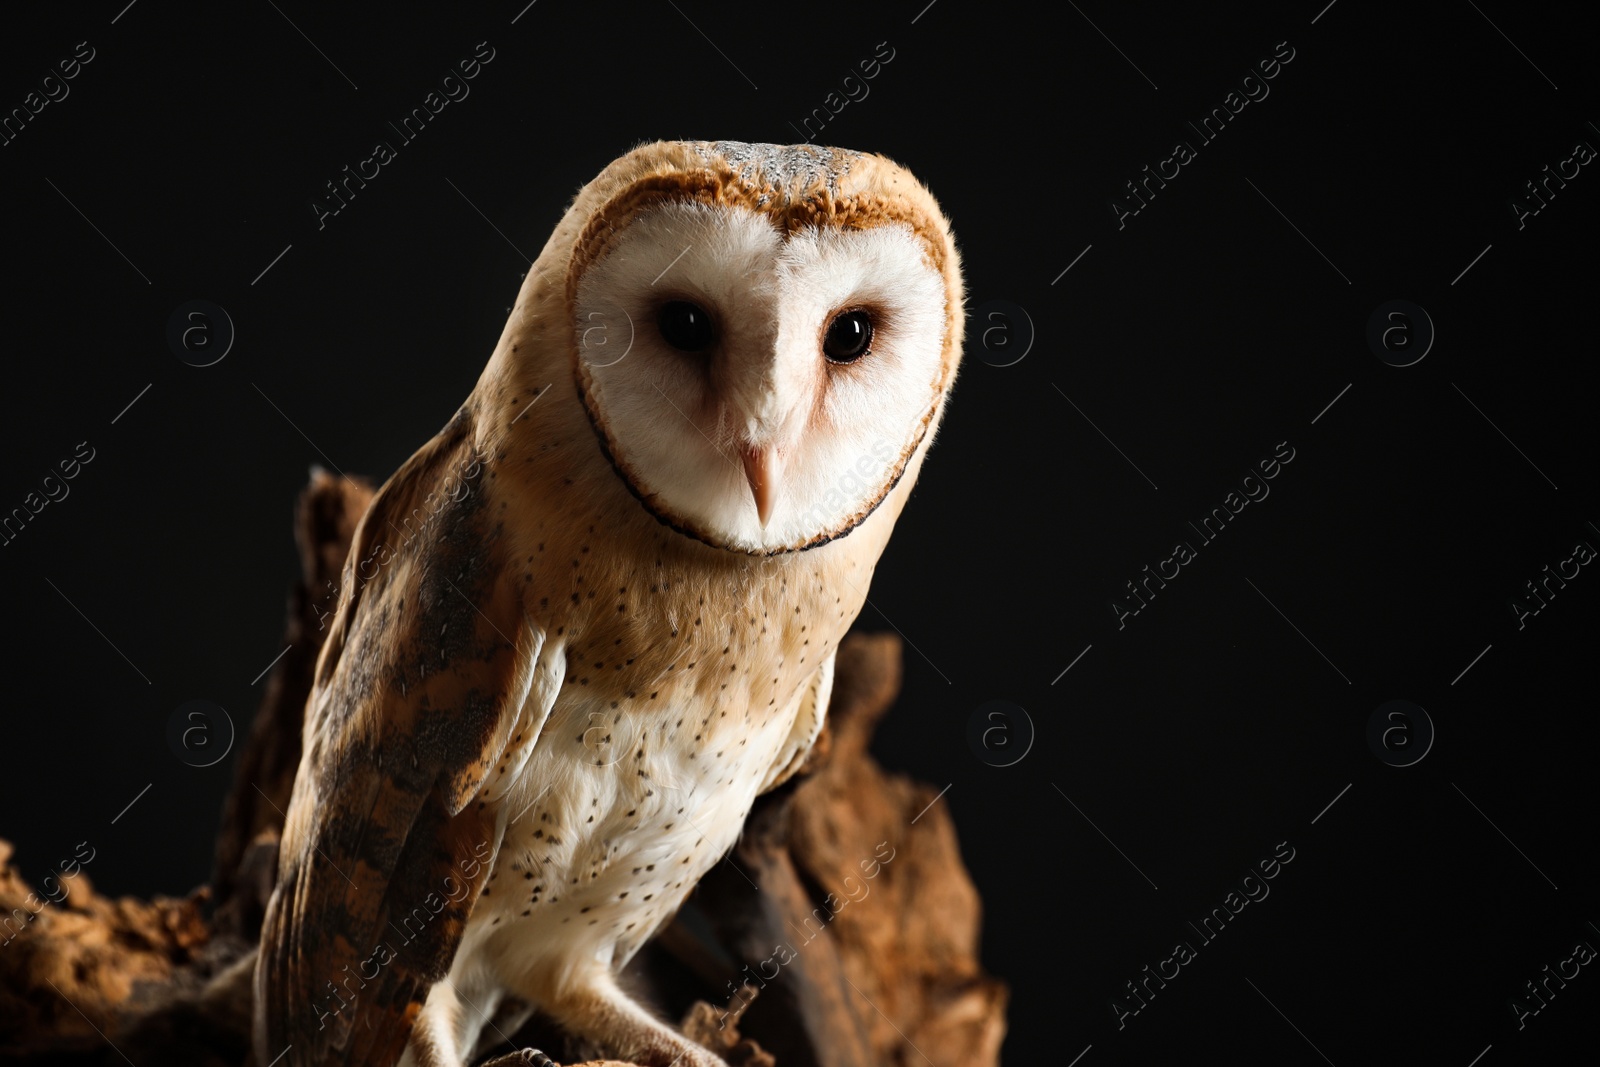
(762, 468)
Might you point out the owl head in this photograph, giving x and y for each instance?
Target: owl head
(762, 336)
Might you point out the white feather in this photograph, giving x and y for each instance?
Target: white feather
(677, 420)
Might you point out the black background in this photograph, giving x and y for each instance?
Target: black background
(1196, 338)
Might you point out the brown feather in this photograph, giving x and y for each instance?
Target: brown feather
(413, 699)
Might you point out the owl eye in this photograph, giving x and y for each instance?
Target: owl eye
(686, 326)
(849, 337)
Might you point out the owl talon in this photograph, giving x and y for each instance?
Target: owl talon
(528, 1057)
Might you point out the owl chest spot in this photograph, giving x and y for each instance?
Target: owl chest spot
(618, 814)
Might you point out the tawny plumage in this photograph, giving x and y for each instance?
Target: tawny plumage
(591, 620)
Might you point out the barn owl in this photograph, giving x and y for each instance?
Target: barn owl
(594, 617)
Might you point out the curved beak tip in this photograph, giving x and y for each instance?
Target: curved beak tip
(762, 469)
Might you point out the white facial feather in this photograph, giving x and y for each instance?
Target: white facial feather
(677, 422)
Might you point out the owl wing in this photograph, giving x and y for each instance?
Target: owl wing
(418, 688)
(813, 712)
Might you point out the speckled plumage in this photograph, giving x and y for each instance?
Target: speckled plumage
(553, 688)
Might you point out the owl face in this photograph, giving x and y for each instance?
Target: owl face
(759, 377)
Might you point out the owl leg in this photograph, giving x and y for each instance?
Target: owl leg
(600, 1011)
(448, 1027)
(434, 1037)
